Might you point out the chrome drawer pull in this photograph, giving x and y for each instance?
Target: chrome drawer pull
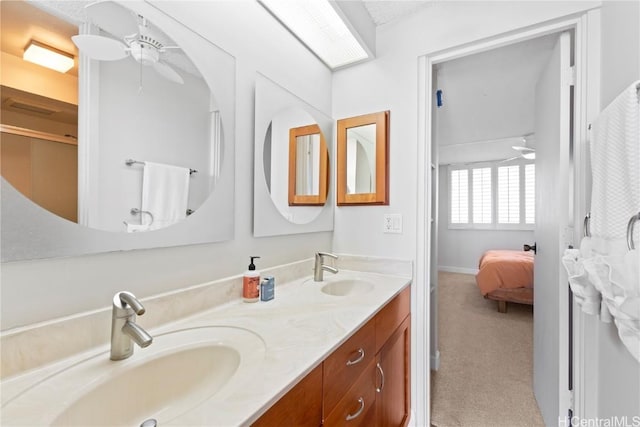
(358, 359)
(358, 412)
(379, 389)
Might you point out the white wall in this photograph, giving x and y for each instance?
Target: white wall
(34, 291)
(460, 250)
(617, 372)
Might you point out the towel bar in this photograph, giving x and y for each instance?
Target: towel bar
(130, 162)
(136, 211)
(632, 222)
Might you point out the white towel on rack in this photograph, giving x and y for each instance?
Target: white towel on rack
(618, 278)
(136, 228)
(165, 193)
(586, 295)
(615, 160)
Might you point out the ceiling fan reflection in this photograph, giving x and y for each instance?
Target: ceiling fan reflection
(144, 46)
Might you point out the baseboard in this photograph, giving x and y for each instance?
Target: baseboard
(462, 270)
(435, 361)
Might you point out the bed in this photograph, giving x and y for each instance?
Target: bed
(506, 276)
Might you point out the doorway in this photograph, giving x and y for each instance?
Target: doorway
(485, 139)
(426, 260)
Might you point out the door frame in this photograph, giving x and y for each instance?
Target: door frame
(586, 44)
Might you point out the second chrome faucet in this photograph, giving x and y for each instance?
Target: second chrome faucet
(319, 267)
(124, 329)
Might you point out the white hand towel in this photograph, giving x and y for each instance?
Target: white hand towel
(615, 160)
(165, 193)
(135, 228)
(586, 295)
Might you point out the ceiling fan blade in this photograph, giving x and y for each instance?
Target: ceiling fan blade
(523, 149)
(167, 72)
(100, 47)
(509, 159)
(113, 18)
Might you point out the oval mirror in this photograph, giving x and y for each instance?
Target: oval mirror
(296, 164)
(154, 147)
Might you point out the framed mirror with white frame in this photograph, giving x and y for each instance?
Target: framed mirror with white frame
(291, 195)
(32, 231)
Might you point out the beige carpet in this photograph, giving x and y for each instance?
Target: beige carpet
(486, 360)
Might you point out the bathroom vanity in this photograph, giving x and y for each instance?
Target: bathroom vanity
(333, 352)
(364, 382)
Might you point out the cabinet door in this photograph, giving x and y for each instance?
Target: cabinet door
(393, 365)
(391, 316)
(301, 406)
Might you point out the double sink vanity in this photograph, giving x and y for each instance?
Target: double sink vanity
(332, 352)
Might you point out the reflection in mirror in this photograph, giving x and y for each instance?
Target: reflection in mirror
(277, 111)
(308, 159)
(156, 110)
(362, 159)
(132, 108)
(295, 160)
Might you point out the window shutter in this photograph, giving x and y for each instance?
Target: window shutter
(459, 196)
(481, 207)
(509, 194)
(530, 193)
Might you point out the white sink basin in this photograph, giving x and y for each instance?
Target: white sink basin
(178, 372)
(347, 287)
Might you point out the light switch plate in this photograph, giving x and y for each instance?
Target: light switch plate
(392, 223)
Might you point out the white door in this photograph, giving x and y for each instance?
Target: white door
(550, 318)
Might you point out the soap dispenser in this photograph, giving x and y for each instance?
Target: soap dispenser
(251, 283)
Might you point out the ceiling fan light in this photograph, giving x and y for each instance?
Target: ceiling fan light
(529, 156)
(46, 56)
(144, 52)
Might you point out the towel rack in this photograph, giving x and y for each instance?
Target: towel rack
(130, 162)
(136, 211)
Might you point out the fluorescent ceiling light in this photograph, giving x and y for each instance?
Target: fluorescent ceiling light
(320, 28)
(49, 57)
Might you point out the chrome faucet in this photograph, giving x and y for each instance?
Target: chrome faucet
(124, 329)
(319, 266)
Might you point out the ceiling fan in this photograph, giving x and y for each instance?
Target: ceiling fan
(137, 38)
(525, 150)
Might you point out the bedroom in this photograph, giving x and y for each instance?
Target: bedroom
(486, 201)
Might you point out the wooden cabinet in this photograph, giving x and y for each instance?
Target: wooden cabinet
(393, 364)
(357, 403)
(345, 365)
(393, 361)
(301, 406)
(365, 382)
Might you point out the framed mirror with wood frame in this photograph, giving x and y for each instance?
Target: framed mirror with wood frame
(363, 160)
(308, 166)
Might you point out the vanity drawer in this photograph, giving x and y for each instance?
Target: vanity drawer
(343, 367)
(357, 406)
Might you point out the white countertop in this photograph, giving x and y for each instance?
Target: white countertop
(299, 328)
